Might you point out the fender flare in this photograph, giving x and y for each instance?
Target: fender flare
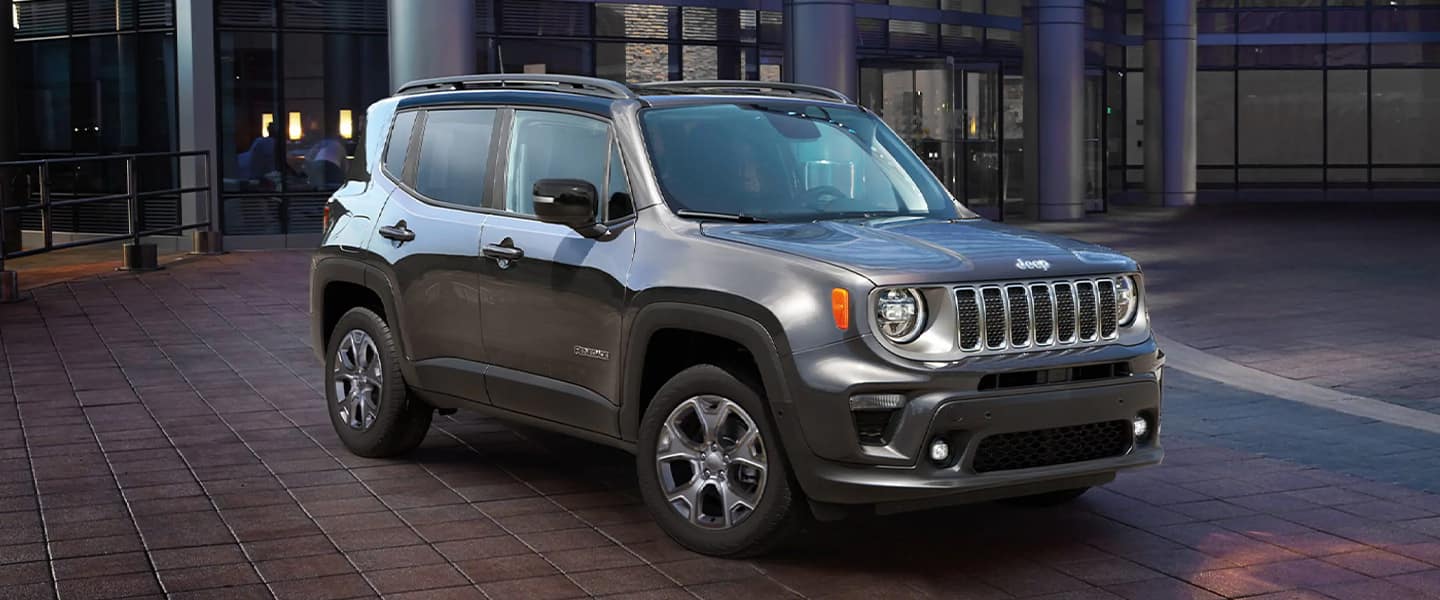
(353, 270)
(763, 344)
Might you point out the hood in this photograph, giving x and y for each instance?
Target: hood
(908, 250)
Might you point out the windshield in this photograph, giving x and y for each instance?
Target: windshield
(789, 161)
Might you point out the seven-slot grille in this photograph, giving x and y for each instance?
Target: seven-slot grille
(1012, 316)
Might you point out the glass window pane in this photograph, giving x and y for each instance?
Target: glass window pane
(548, 145)
(1215, 117)
(1310, 55)
(329, 81)
(1281, 117)
(543, 56)
(399, 143)
(632, 21)
(1402, 100)
(701, 62)
(45, 105)
(454, 156)
(633, 63)
(970, 6)
(1346, 123)
(252, 128)
(1004, 8)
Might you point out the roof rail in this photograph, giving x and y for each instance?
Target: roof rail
(575, 84)
(744, 87)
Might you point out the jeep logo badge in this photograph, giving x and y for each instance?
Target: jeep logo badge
(1032, 265)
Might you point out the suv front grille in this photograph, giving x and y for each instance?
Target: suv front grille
(1058, 446)
(1014, 316)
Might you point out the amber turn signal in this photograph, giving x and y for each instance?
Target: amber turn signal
(840, 307)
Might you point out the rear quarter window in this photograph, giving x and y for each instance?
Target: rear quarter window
(399, 142)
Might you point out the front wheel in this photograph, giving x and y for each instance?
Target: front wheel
(710, 466)
(369, 404)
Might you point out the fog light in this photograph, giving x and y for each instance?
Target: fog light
(939, 451)
(1142, 427)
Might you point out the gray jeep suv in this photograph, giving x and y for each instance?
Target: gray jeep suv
(756, 288)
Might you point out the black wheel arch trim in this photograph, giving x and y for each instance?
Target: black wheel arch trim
(353, 269)
(720, 315)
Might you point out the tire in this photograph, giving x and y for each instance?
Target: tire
(1055, 498)
(396, 423)
(778, 508)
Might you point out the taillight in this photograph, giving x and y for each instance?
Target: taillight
(325, 218)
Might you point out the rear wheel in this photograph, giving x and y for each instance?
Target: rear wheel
(369, 404)
(710, 467)
(1055, 498)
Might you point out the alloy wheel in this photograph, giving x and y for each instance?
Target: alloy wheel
(712, 462)
(358, 377)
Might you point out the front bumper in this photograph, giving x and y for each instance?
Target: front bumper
(832, 466)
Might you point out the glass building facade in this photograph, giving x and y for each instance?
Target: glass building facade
(1296, 99)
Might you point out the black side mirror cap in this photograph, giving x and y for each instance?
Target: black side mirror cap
(570, 202)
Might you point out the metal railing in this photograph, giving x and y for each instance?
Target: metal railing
(42, 199)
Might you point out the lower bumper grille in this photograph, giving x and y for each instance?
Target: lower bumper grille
(1058, 446)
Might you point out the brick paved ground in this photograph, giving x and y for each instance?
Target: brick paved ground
(1342, 296)
(164, 434)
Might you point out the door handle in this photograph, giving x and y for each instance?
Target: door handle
(398, 232)
(499, 252)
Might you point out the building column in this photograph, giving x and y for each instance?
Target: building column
(1055, 109)
(1170, 102)
(196, 103)
(820, 44)
(8, 124)
(433, 38)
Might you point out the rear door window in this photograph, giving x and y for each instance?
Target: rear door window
(455, 155)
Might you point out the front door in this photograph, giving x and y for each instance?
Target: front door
(431, 256)
(552, 314)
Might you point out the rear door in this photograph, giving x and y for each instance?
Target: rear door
(552, 318)
(428, 236)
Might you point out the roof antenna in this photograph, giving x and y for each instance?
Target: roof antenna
(500, 54)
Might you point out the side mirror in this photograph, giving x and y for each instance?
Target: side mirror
(570, 202)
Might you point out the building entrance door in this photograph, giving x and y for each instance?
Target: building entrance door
(950, 113)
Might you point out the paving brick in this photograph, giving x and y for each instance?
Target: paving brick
(518, 566)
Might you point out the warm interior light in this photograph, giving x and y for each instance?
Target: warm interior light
(347, 127)
(295, 130)
(840, 308)
(265, 120)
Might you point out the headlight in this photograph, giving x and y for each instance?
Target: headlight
(900, 314)
(1127, 299)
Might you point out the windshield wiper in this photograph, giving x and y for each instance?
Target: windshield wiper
(736, 217)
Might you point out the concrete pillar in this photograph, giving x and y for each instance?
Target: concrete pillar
(1055, 109)
(820, 44)
(9, 80)
(433, 38)
(196, 85)
(1170, 102)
